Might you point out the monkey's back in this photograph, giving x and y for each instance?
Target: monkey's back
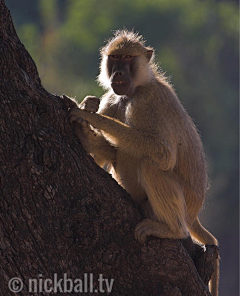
(191, 163)
(156, 110)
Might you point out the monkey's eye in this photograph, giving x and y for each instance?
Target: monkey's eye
(114, 56)
(127, 56)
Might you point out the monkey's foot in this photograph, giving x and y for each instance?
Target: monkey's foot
(149, 227)
(146, 228)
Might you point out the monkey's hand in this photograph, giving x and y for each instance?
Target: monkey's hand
(92, 140)
(81, 126)
(90, 104)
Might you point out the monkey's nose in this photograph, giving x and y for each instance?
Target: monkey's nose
(119, 73)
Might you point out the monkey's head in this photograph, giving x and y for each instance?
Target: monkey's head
(126, 63)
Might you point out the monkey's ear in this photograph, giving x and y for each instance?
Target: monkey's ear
(149, 54)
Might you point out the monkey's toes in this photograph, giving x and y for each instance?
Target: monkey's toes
(142, 230)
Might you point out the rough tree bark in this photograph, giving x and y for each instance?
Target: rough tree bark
(61, 213)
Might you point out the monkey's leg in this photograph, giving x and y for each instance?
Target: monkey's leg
(167, 201)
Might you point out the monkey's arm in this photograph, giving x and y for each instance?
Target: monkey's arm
(136, 142)
(93, 141)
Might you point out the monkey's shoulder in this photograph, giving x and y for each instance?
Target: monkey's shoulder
(113, 106)
(160, 97)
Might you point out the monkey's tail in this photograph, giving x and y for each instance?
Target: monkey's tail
(205, 237)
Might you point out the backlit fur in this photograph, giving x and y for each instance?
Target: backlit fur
(151, 146)
(127, 42)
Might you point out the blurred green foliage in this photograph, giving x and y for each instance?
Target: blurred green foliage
(196, 43)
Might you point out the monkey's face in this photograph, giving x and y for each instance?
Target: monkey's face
(120, 68)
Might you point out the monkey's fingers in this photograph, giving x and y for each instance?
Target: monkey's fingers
(90, 104)
(76, 119)
(82, 130)
(90, 107)
(74, 115)
(83, 124)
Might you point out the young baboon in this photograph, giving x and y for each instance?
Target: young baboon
(149, 142)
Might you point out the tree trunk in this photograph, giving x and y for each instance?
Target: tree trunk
(63, 217)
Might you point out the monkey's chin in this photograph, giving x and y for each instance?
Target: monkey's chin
(121, 90)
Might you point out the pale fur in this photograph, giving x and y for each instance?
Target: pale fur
(152, 148)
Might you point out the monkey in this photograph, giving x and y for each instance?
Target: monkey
(142, 133)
